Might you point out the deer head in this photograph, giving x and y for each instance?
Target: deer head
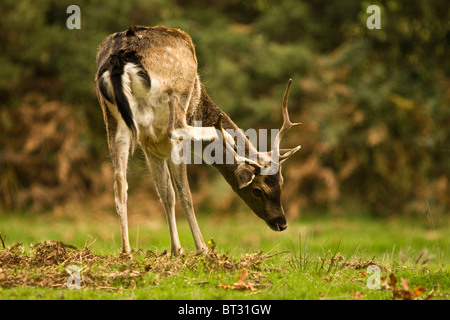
(258, 180)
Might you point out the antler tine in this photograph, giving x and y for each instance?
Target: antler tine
(218, 126)
(287, 124)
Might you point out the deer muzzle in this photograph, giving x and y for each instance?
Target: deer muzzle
(277, 224)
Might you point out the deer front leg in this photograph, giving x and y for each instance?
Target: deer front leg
(180, 180)
(178, 171)
(163, 184)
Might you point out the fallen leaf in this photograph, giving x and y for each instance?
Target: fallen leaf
(393, 281)
(357, 295)
(243, 275)
(241, 284)
(405, 284)
(417, 291)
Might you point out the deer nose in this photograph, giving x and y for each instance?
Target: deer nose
(282, 227)
(278, 224)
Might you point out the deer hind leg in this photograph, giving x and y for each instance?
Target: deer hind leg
(180, 180)
(119, 138)
(161, 176)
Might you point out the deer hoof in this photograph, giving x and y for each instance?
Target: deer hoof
(176, 251)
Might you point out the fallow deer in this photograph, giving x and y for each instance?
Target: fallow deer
(149, 90)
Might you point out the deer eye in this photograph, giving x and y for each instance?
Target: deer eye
(257, 193)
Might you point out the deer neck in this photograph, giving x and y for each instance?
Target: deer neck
(207, 112)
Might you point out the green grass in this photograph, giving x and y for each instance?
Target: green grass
(317, 257)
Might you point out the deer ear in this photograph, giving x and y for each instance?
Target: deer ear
(244, 174)
(286, 153)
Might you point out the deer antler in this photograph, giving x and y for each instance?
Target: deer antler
(287, 125)
(226, 145)
(275, 154)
